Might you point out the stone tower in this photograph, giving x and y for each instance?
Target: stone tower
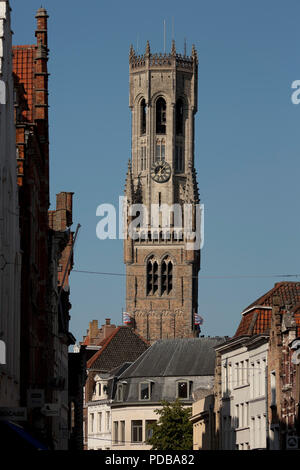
(161, 273)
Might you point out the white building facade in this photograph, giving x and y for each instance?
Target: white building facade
(99, 415)
(244, 393)
(10, 257)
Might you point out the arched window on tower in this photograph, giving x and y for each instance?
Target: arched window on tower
(166, 276)
(179, 117)
(161, 116)
(152, 276)
(143, 112)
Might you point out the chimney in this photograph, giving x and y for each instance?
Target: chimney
(107, 321)
(93, 330)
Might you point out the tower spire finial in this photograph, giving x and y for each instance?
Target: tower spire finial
(194, 53)
(148, 49)
(131, 52)
(173, 50)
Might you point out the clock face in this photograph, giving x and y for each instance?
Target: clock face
(160, 171)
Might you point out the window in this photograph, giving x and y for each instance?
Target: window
(149, 430)
(182, 389)
(137, 431)
(259, 381)
(237, 374)
(92, 416)
(179, 117)
(99, 422)
(143, 116)
(107, 421)
(246, 367)
(237, 416)
(252, 389)
(166, 276)
(241, 415)
(145, 391)
(120, 394)
(179, 160)
(273, 388)
(122, 431)
(99, 389)
(152, 276)
(143, 159)
(116, 432)
(161, 116)
(160, 150)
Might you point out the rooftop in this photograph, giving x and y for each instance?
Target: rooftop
(123, 345)
(176, 357)
(256, 318)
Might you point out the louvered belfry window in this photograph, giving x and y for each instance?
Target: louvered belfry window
(152, 276)
(166, 276)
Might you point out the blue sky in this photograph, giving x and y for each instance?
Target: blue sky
(247, 138)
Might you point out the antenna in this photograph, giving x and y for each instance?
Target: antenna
(184, 47)
(164, 36)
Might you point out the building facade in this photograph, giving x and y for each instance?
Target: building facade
(161, 265)
(203, 419)
(241, 389)
(47, 247)
(122, 345)
(10, 256)
(283, 376)
(99, 409)
(168, 370)
(256, 391)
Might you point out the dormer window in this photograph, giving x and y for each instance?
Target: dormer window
(182, 389)
(145, 390)
(100, 389)
(120, 392)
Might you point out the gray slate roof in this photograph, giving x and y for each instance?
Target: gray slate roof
(176, 357)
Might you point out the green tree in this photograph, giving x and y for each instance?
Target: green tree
(173, 430)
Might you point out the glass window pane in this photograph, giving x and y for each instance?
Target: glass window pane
(182, 390)
(144, 388)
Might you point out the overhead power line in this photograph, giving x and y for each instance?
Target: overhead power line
(237, 276)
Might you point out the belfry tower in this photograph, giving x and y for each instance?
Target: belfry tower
(161, 273)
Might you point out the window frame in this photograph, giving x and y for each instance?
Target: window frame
(187, 389)
(145, 382)
(138, 428)
(161, 116)
(120, 392)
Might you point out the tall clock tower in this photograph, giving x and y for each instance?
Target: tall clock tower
(161, 272)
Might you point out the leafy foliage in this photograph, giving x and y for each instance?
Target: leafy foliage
(173, 430)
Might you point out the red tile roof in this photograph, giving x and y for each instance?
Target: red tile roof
(123, 345)
(256, 318)
(23, 67)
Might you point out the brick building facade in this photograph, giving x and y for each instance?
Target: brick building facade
(283, 378)
(46, 243)
(162, 273)
(10, 255)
